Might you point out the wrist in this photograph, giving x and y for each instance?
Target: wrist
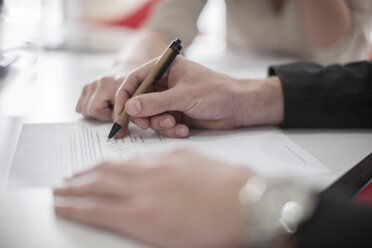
(260, 102)
(273, 209)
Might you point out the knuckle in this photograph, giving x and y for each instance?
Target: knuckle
(85, 90)
(131, 75)
(93, 85)
(106, 80)
(159, 102)
(121, 92)
(89, 111)
(95, 110)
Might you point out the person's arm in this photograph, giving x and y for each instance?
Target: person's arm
(333, 96)
(325, 21)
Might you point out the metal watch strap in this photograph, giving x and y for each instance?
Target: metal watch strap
(273, 208)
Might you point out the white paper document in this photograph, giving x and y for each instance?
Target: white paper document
(48, 152)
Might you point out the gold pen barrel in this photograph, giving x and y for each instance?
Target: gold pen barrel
(150, 78)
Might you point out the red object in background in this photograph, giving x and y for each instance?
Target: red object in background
(365, 196)
(137, 18)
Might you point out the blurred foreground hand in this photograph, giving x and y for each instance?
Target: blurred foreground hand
(172, 199)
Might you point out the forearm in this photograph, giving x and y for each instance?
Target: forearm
(325, 21)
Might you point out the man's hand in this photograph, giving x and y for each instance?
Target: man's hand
(191, 95)
(174, 199)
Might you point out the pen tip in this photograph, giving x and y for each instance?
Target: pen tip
(108, 139)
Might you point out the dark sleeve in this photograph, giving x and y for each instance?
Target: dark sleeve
(336, 223)
(333, 96)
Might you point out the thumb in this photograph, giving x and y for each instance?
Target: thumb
(155, 103)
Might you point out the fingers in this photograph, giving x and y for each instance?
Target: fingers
(162, 122)
(178, 131)
(166, 125)
(90, 91)
(106, 179)
(99, 183)
(121, 133)
(95, 211)
(97, 98)
(80, 103)
(128, 168)
(141, 122)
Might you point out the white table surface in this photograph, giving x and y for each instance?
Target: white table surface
(45, 86)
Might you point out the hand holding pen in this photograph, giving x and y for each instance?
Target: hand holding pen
(190, 95)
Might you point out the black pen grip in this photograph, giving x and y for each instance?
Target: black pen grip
(165, 66)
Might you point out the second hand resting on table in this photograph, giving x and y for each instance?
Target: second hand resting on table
(148, 198)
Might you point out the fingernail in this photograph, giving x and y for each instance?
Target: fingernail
(134, 107)
(166, 123)
(181, 132)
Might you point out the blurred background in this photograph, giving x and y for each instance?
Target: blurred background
(84, 24)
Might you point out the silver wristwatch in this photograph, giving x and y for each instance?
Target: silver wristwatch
(273, 208)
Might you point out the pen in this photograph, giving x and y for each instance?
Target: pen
(155, 74)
